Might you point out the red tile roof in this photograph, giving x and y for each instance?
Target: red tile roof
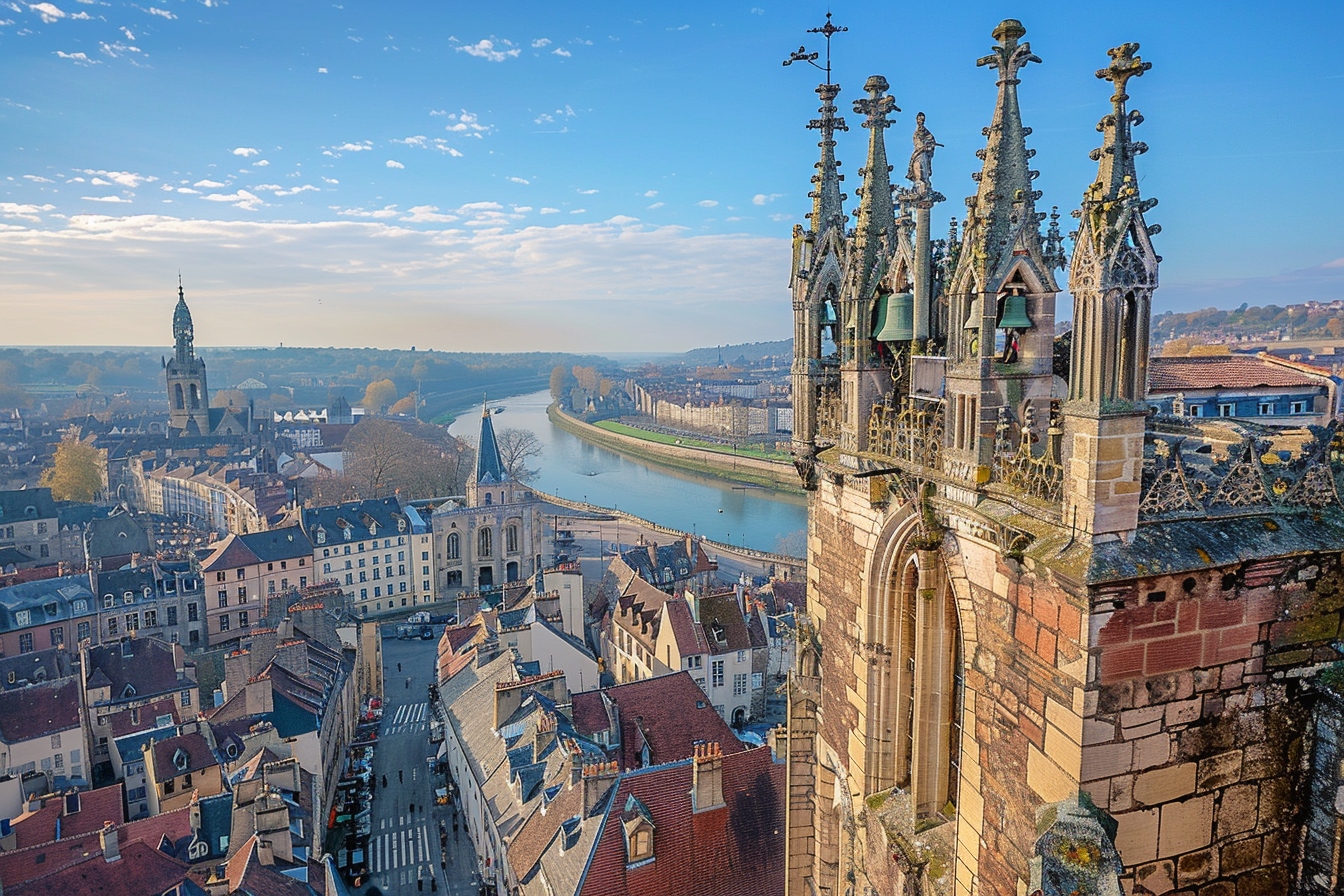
(1224, 372)
(670, 713)
(121, 724)
(141, 869)
(198, 755)
(95, 807)
(29, 864)
(737, 848)
(39, 710)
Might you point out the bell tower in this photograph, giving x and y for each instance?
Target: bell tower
(188, 398)
(1112, 278)
(1002, 294)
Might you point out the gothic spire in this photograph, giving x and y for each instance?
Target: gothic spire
(1005, 196)
(876, 213)
(827, 200)
(183, 332)
(1109, 204)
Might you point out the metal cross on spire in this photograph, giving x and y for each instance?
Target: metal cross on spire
(827, 31)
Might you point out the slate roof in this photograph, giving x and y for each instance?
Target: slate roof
(668, 713)
(258, 547)
(738, 848)
(128, 746)
(38, 666)
(115, 535)
(39, 710)
(86, 813)
(47, 600)
(143, 718)
(150, 668)
(674, 563)
(26, 504)
(197, 751)
(489, 465)
(385, 515)
(545, 835)
(641, 603)
(721, 619)
(1225, 372)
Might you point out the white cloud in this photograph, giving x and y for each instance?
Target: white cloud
(330, 180)
(155, 11)
(548, 211)
(434, 112)
(561, 51)
(521, 180)
(764, 199)
(322, 70)
(362, 146)
(246, 151)
(281, 191)
(578, 211)
(77, 58)
(467, 123)
(209, 184)
(104, 199)
(622, 220)
(649, 194)
(485, 49)
(238, 198)
(680, 28)
(541, 42)
(427, 214)
(707, 203)
(556, 284)
(757, 11)
(261, 163)
(189, 191)
(387, 211)
(23, 212)
(522, 209)
(118, 49)
(38, 179)
(393, 163)
(130, 35)
(48, 11)
(657, 205)
(126, 179)
(587, 192)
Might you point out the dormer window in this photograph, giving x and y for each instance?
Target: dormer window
(401, 524)
(128, 597)
(81, 606)
(128, 692)
(321, 535)
(180, 759)
(23, 617)
(348, 533)
(108, 600)
(148, 592)
(637, 825)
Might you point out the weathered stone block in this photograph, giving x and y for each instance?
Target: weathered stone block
(1197, 867)
(1165, 784)
(1186, 826)
(1184, 712)
(1238, 809)
(1107, 760)
(1152, 751)
(1234, 858)
(1219, 771)
(1156, 877)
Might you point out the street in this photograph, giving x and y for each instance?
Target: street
(407, 852)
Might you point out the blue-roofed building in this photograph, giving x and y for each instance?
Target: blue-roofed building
(494, 536)
(378, 551)
(46, 613)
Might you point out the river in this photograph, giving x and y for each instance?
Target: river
(571, 468)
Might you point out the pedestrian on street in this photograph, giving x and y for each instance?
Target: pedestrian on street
(398, 667)
(399, 779)
(384, 782)
(420, 879)
(412, 808)
(434, 884)
(408, 682)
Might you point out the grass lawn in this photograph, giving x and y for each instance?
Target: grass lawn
(665, 439)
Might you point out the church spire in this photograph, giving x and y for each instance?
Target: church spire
(183, 332)
(1005, 196)
(827, 200)
(876, 213)
(1110, 202)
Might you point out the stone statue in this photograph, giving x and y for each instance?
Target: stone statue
(921, 160)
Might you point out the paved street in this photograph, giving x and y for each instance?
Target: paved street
(405, 852)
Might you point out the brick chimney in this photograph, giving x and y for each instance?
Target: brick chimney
(107, 839)
(546, 734)
(272, 824)
(707, 777)
(597, 780)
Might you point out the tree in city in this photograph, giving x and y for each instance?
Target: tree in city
(405, 405)
(381, 457)
(76, 471)
(516, 448)
(561, 382)
(379, 395)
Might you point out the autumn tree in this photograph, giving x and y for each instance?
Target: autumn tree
(76, 472)
(516, 448)
(561, 381)
(405, 405)
(379, 395)
(382, 458)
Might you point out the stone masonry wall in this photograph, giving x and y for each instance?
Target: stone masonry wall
(1194, 735)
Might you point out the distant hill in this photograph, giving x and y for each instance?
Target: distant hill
(1311, 320)
(781, 349)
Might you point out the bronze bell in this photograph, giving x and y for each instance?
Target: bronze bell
(973, 315)
(896, 318)
(1015, 313)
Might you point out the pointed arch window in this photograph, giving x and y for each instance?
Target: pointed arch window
(511, 538)
(453, 547)
(178, 401)
(484, 543)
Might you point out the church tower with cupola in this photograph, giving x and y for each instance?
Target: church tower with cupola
(188, 397)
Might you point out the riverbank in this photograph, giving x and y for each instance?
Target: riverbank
(776, 475)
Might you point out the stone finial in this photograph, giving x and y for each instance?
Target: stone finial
(1009, 56)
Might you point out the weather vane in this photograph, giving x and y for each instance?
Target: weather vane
(801, 54)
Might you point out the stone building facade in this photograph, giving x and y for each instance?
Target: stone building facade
(1055, 642)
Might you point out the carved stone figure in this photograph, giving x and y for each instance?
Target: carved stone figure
(920, 172)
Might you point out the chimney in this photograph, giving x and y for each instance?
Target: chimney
(546, 734)
(575, 764)
(194, 811)
(265, 855)
(707, 774)
(285, 630)
(597, 780)
(217, 884)
(652, 548)
(107, 839)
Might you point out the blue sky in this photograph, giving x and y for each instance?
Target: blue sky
(529, 175)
